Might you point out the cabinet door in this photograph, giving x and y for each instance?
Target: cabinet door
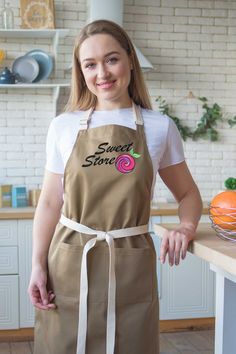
(8, 233)
(8, 260)
(25, 254)
(187, 290)
(9, 302)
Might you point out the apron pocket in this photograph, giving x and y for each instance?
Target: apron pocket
(64, 267)
(134, 268)
(134, 275)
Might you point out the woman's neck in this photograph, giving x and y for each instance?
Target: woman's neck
(110, 105)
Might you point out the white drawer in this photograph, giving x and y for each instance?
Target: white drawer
(9, 304)
(8, 232)
(8, 260)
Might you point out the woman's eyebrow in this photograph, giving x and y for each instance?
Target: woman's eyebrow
(106, 55)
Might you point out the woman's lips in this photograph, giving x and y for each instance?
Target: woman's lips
(106, 84)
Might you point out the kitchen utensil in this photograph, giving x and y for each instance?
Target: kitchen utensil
(45, 63)
(26, 68)
(7, 77)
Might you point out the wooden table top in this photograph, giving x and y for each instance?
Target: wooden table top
(208, 246)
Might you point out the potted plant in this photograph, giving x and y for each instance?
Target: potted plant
(230, 183)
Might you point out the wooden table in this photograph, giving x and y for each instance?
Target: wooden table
(221, 255)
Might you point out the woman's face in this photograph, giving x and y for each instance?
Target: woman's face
(106, 68)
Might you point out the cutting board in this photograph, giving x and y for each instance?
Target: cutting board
(37, 14)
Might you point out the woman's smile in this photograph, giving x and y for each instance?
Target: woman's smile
(106, 84)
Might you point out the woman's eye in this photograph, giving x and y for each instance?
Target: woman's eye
(112, 60)
(89, 65)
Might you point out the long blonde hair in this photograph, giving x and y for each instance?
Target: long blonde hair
(80, 97)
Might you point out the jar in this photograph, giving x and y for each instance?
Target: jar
(34, 197)
(7, 17)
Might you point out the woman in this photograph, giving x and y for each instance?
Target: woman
(94, 262)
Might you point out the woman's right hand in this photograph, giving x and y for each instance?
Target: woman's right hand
(40, 297)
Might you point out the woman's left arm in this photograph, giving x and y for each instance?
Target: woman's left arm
(180, 182)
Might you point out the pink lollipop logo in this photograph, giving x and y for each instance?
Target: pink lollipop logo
(125, 163)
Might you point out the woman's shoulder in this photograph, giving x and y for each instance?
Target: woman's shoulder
(66, 120)
(67, 116)
(155, 119)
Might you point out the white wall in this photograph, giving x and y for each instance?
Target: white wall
(191, 43)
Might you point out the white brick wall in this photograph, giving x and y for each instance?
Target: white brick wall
(192, 46)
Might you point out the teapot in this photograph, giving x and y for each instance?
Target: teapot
(7, 77)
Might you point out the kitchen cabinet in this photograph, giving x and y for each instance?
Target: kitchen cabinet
(186, 290)
(9, 275)
(15, 264)
(25, 231)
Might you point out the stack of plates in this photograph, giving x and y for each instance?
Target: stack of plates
(34, 66)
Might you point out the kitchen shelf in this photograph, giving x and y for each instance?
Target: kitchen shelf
(56, 86)
(37, 85)
(33, 33)
(54, 35)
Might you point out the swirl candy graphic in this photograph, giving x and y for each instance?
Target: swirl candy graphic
(125, 163)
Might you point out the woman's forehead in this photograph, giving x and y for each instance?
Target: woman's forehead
(99, 45)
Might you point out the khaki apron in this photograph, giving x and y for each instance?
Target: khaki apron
(104, 279)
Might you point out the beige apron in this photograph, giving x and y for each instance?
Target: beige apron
(104, 279)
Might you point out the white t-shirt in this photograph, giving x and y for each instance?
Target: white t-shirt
(162, 136)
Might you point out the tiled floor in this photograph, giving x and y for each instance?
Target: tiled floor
(193, 342)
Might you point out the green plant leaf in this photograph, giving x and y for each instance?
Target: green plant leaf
(203, 99)
(207, 124)
(230, 183)
(232, 122)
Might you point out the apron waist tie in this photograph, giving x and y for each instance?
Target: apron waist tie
(111, 316)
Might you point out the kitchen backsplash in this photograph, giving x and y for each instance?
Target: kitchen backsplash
(192, 45)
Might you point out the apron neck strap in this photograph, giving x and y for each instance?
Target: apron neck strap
(87, 116)
(137, 114)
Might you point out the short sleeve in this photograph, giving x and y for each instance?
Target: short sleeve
(54, 162)
(173, 152)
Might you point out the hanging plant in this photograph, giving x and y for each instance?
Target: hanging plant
(206, 126)
(232, 122)
(185, 131)
(208, 121)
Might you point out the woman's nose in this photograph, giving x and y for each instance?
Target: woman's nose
(102, 71)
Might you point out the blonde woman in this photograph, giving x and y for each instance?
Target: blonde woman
(93, 279)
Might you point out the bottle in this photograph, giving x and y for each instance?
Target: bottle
(7, 17)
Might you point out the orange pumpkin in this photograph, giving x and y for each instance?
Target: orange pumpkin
(223, 210)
